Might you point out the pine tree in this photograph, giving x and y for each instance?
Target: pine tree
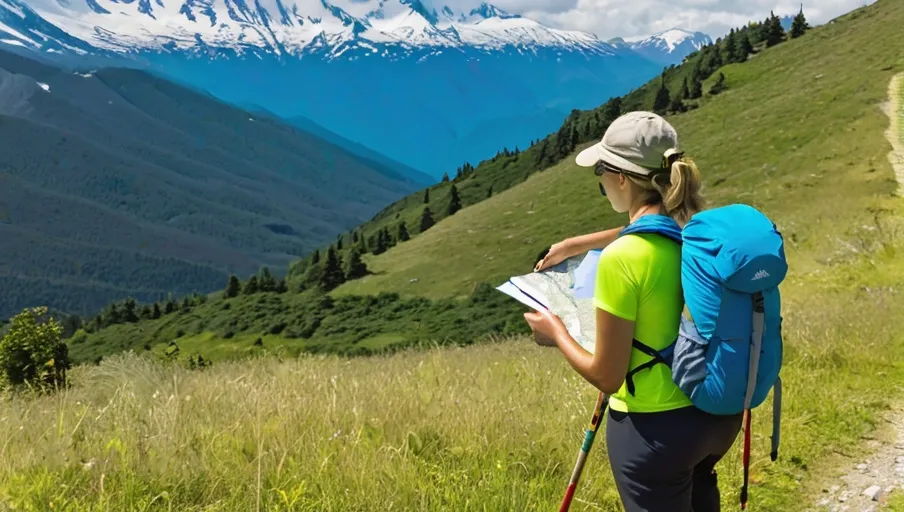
(490, 192)
(731, 47)
(232, 287)
(315, 258)
(339, 243)
(281, 286)
(575, 138)
(661, 103)
(799, 26)
(382, 244)
(333, 275)
(390, 241)
(128, 313)
(251, 287)
(145, 312)
(719, 86)
(355, 236)
(170, 307)
(775, 34)
(676, 105)
(266, 283)
(454, 201)
(445, 177)
(155, 313)
(696, 87)
(403, 232)
(427, 196)
(685, 93)
(355, 269)
(362, 245)
(113, 316)
(427, 221)
(745, 48)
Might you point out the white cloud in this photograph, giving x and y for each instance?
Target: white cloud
(633, 18)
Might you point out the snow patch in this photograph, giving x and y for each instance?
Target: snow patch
(44, 86)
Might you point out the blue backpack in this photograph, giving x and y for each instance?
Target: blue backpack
(727, 357)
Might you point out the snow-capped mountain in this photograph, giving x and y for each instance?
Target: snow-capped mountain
(668, 47)
(352, 29)
(427, 85)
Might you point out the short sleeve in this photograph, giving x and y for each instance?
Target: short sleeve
(616, 290)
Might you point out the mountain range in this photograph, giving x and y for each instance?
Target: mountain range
(119, 183)
(428, 86)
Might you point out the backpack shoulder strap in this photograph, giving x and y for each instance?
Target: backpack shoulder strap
(656, 224)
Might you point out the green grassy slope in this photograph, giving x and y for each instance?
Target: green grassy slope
(798, 133)
(118, 183)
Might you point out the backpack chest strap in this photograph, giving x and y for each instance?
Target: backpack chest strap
(657, 358)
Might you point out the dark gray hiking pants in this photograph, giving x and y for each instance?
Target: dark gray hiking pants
(663, 462)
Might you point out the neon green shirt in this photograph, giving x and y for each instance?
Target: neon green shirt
(639, 279)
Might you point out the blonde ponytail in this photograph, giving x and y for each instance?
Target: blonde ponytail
(677, 191)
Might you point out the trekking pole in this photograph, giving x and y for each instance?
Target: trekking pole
(601, 403)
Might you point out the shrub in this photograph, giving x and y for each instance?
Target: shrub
(32, 351)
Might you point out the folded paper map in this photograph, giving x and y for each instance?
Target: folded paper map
(566, 290)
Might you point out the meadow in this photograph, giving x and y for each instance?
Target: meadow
(799, 132)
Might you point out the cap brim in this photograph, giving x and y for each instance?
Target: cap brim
(590, 156)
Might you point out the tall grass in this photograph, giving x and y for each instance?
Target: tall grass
(490, 427)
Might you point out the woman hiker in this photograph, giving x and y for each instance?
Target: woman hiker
(661, 448)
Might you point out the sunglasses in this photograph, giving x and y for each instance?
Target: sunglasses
(602, 167)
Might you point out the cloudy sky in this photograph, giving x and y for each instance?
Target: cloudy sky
(629, 18)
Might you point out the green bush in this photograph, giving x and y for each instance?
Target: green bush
(32, 351)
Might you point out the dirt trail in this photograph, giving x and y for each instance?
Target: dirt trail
(872, 480)
(867, 484)
(895, 133)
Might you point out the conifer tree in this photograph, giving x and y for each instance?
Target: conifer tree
(685, 93)
(251, 287)
(490, 192)
(661, 103)
(381, 244)
(445, 177)
(155, 313)
(427, 221)
(696, 87)
(799, 26)
(362, 245)
(232, 288)
(775, 34)
(315, 258)
(339, 243)
(454, 201)
(403, 232)
(333, 275)
(266, 283)
(745, 48)
(731, 47)
(355, 269)
(426, 196)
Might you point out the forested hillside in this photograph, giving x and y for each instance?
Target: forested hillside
(116, 183)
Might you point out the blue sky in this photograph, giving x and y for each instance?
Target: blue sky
(630, 18)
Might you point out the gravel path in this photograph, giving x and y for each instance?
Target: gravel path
(895, 132)
(872, 480)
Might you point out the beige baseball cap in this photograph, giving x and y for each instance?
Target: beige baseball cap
(637, 142)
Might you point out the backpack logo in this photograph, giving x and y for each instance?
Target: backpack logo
(760, 275)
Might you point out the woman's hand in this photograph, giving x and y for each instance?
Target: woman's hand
(557, 254)
(546, 326)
